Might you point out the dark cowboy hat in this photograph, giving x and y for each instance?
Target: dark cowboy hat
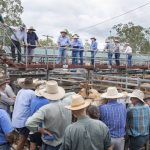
(93, 38)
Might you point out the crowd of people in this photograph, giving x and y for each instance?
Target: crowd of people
(64, 43)
(50, 119)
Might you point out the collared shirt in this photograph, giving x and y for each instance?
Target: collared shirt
(109, 47)
(19, 35)
(37, 103)
(128, 50)
(22, 107)
(5, 102)
(86, 134)
(113, 114)
(117, 48)
(55, 118)
(138, 120)
(9, 91)
(93, 45)
(76, 44)
(64, 41)
(32, 38)
(5, 126)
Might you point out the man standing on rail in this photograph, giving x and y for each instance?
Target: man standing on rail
(19, 35)
(128, 52)
(117, 52)
(63, 43)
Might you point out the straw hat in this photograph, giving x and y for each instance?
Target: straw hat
(63, 31)
(2, 79)
(37, 93)
(111, 93)
(26, 83)
(93, 38)
(78, 103)
(52, 91)
(137, 94)
(31, 28)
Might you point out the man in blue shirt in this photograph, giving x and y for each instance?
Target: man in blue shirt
(6, 129)
(63, 42)
(22, 110)
(113, 114)
(138, 121)
(93, 49)
(32, 39)
(36, 104)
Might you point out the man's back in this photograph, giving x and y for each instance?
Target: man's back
(86, 134)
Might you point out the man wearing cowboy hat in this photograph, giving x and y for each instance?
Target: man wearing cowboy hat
(54, 117)
(138, 121)
(86, 133)
(76, 46)
(5, 101)
(22, 109)
(32, 40)
(19, 35)
(93, 48)
(109, 49)
(113, 114)
(63, 42)
(128, 52)
(117, 52)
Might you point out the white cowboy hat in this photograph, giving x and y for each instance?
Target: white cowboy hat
(26, 83)
(63, 31)
(78, 103)
(31, 28)
(137, 94)
(111, 93)
(52, 91)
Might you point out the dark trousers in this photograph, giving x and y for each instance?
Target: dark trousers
(81, 56)
(74, 56)
(48, 147)
(117, 58)
(14, 45)
(129, 59)
(136, 143)
(110, 54)
(93, 53)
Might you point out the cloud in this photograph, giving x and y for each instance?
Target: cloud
(51, 16)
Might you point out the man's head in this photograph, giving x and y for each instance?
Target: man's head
(63, 33)
(31, 29)
(22, 27)
(136, 97)
(75, 38)
(93, 39)
(147, 100)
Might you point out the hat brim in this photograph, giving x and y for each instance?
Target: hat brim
(32, 29)
(54, 97)
(63, 32)
(86, 104)
(134, 96)
(29, 86)
(105, 95)
(93, 38)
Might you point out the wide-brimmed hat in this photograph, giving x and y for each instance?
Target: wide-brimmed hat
(52, 91)
(26, 83)
(78, 103)
(93, 38)
(111, 93)
(31, 28)
(37, 91)
(75, 37)
(63, 31)
(137, 94)
(2, 79)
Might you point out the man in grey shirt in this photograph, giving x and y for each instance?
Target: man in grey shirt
(86, 133)
(54, 116)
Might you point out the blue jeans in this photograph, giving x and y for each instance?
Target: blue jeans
(81, 57)
(62, 55)
(117, 58)
(48, 147)
(74, 57)
(110, 54)
(136, 143)
(93, 53)
(5, 147)
(129, 59)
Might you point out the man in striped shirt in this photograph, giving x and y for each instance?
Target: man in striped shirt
(138, 121)
(113, 114)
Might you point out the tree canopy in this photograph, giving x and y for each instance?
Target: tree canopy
(11, 10)
(136, 35)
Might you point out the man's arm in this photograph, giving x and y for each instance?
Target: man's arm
(33, 122)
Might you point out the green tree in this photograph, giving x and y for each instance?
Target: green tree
(136, 35)
(47, 42)
(11, 10)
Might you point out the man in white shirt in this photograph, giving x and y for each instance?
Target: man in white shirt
(128, 52)
(17, 37)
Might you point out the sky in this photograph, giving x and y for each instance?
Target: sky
(49, 17)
